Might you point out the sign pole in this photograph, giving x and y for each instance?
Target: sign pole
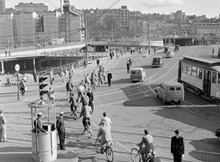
(17, 68)
(18, 85)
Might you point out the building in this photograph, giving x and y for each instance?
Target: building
(71, 24)
(2, 5)
(31, 7)
(25, 27)
(6, 31)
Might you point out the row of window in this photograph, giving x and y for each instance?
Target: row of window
(198, 73)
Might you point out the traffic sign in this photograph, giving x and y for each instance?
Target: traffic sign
(17, 67)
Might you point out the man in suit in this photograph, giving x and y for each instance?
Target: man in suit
(61, 130)
(177, 146)
(147, 141)
(109, 76)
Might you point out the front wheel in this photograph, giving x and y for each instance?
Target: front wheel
(109, 154)
(135, 155)
(98, 144)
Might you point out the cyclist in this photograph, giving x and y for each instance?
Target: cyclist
(86, 113)
(69, 88)
(147, 141)
(107, 120)
(81, 91)
(105, 134)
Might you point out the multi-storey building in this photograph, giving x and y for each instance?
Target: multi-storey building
(31, 7)
(6, 30)
(2, 5)
(25, 26)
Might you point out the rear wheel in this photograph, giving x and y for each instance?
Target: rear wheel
(98, 144)
(135, 155)
(109, 154)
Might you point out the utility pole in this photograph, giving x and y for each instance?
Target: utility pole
(86, 32)
(149, 34)
(174, 33)
(112, 32)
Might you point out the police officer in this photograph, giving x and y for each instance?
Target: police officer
(61, 130)
(38, 124)
(177, 146)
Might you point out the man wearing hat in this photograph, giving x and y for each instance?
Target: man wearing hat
(109, 77)
(147, 141)
(177, 146)
(38, 125)
(3, 127)
(61, 130)
(105, 134)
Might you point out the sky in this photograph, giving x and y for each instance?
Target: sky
(210, 8)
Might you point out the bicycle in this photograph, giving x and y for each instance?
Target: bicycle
(136, 155)
(106, 148)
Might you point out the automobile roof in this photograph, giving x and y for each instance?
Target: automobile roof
(138, 68)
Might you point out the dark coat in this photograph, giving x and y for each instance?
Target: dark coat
(109, 76)
(177, 145)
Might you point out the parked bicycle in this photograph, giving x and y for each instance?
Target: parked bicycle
(106, 148)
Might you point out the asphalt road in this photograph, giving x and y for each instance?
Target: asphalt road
(134, 107)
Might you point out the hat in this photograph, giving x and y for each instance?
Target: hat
(39, 114)
(177, 131)
(61, 113)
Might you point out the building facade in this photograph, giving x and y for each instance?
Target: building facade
(31, 7)
(2, 6)
(25, 27)
(6, 31)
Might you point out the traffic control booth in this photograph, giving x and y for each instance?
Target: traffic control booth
(44, 145)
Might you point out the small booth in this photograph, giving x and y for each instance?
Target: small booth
(44, 145)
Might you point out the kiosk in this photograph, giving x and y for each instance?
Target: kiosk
(44, 145)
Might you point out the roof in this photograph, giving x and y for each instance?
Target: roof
(204, 63)
(137, 68)
(172, 83)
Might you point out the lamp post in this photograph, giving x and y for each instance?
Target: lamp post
(149, 34)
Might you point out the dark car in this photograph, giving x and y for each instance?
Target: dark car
(157, 62)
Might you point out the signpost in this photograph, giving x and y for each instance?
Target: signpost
(17, 68)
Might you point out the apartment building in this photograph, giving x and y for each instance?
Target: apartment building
(6, 30)
(31, 7)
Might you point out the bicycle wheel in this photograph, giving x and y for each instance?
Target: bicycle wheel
(98, 144)
(135, 155)
(109, 153)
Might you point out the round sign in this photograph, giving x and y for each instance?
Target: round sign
(17, 67)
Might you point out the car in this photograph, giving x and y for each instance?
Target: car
(170, 54)
(177, 48)
(137, 74)
(170, 92)
(157, 61)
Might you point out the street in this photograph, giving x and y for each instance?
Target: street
(132, 108)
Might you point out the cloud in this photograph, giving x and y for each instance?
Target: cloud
(161, 3)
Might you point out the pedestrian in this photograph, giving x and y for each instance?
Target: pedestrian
(98, 62)
(128, 67)
(38, 124)
(9, 53)
(51, 77)
(84, 63)
(213, 51)
(177, 146)
(3, 127)
(22, 87)
(51, 94)
(109, 77)
(35, 75)
(91, 98)
(61, 130)
(73, 105)
(6, 53)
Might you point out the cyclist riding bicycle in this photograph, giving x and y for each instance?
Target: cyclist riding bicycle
(147, 141)
(86, 113)
(105, 134)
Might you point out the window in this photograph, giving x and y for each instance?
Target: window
(214, 77)
(178, 88)
(188, 69)
(194, 71)
(218, 77)
(199, 73)
(172, 89)
(184, 68)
